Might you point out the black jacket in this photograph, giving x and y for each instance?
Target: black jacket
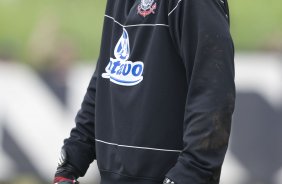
(161, 99)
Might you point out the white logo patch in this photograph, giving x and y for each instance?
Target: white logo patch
(121, 71)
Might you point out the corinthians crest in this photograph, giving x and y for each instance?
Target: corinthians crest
(146, 7)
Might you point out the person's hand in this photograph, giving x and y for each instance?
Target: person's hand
(63, 180)
(66, 173)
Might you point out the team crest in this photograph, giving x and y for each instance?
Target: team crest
(147, 7)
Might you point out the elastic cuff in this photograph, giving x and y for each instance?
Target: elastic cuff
(67, 171)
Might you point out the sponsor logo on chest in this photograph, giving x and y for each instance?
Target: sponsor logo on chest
(121, 71)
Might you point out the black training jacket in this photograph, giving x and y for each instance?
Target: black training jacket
(161, 98)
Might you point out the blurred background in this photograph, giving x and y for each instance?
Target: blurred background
(48, 52)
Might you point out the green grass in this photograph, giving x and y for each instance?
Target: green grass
(77, 20)
(255, 24)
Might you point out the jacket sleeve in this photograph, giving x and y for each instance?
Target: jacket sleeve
(200, 30)
(80, 146)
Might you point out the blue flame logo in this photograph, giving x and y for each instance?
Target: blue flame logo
(122, 49)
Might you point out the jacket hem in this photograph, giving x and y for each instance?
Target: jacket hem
(110, 177)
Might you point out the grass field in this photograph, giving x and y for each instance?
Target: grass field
(255, 24)
(80, 21)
